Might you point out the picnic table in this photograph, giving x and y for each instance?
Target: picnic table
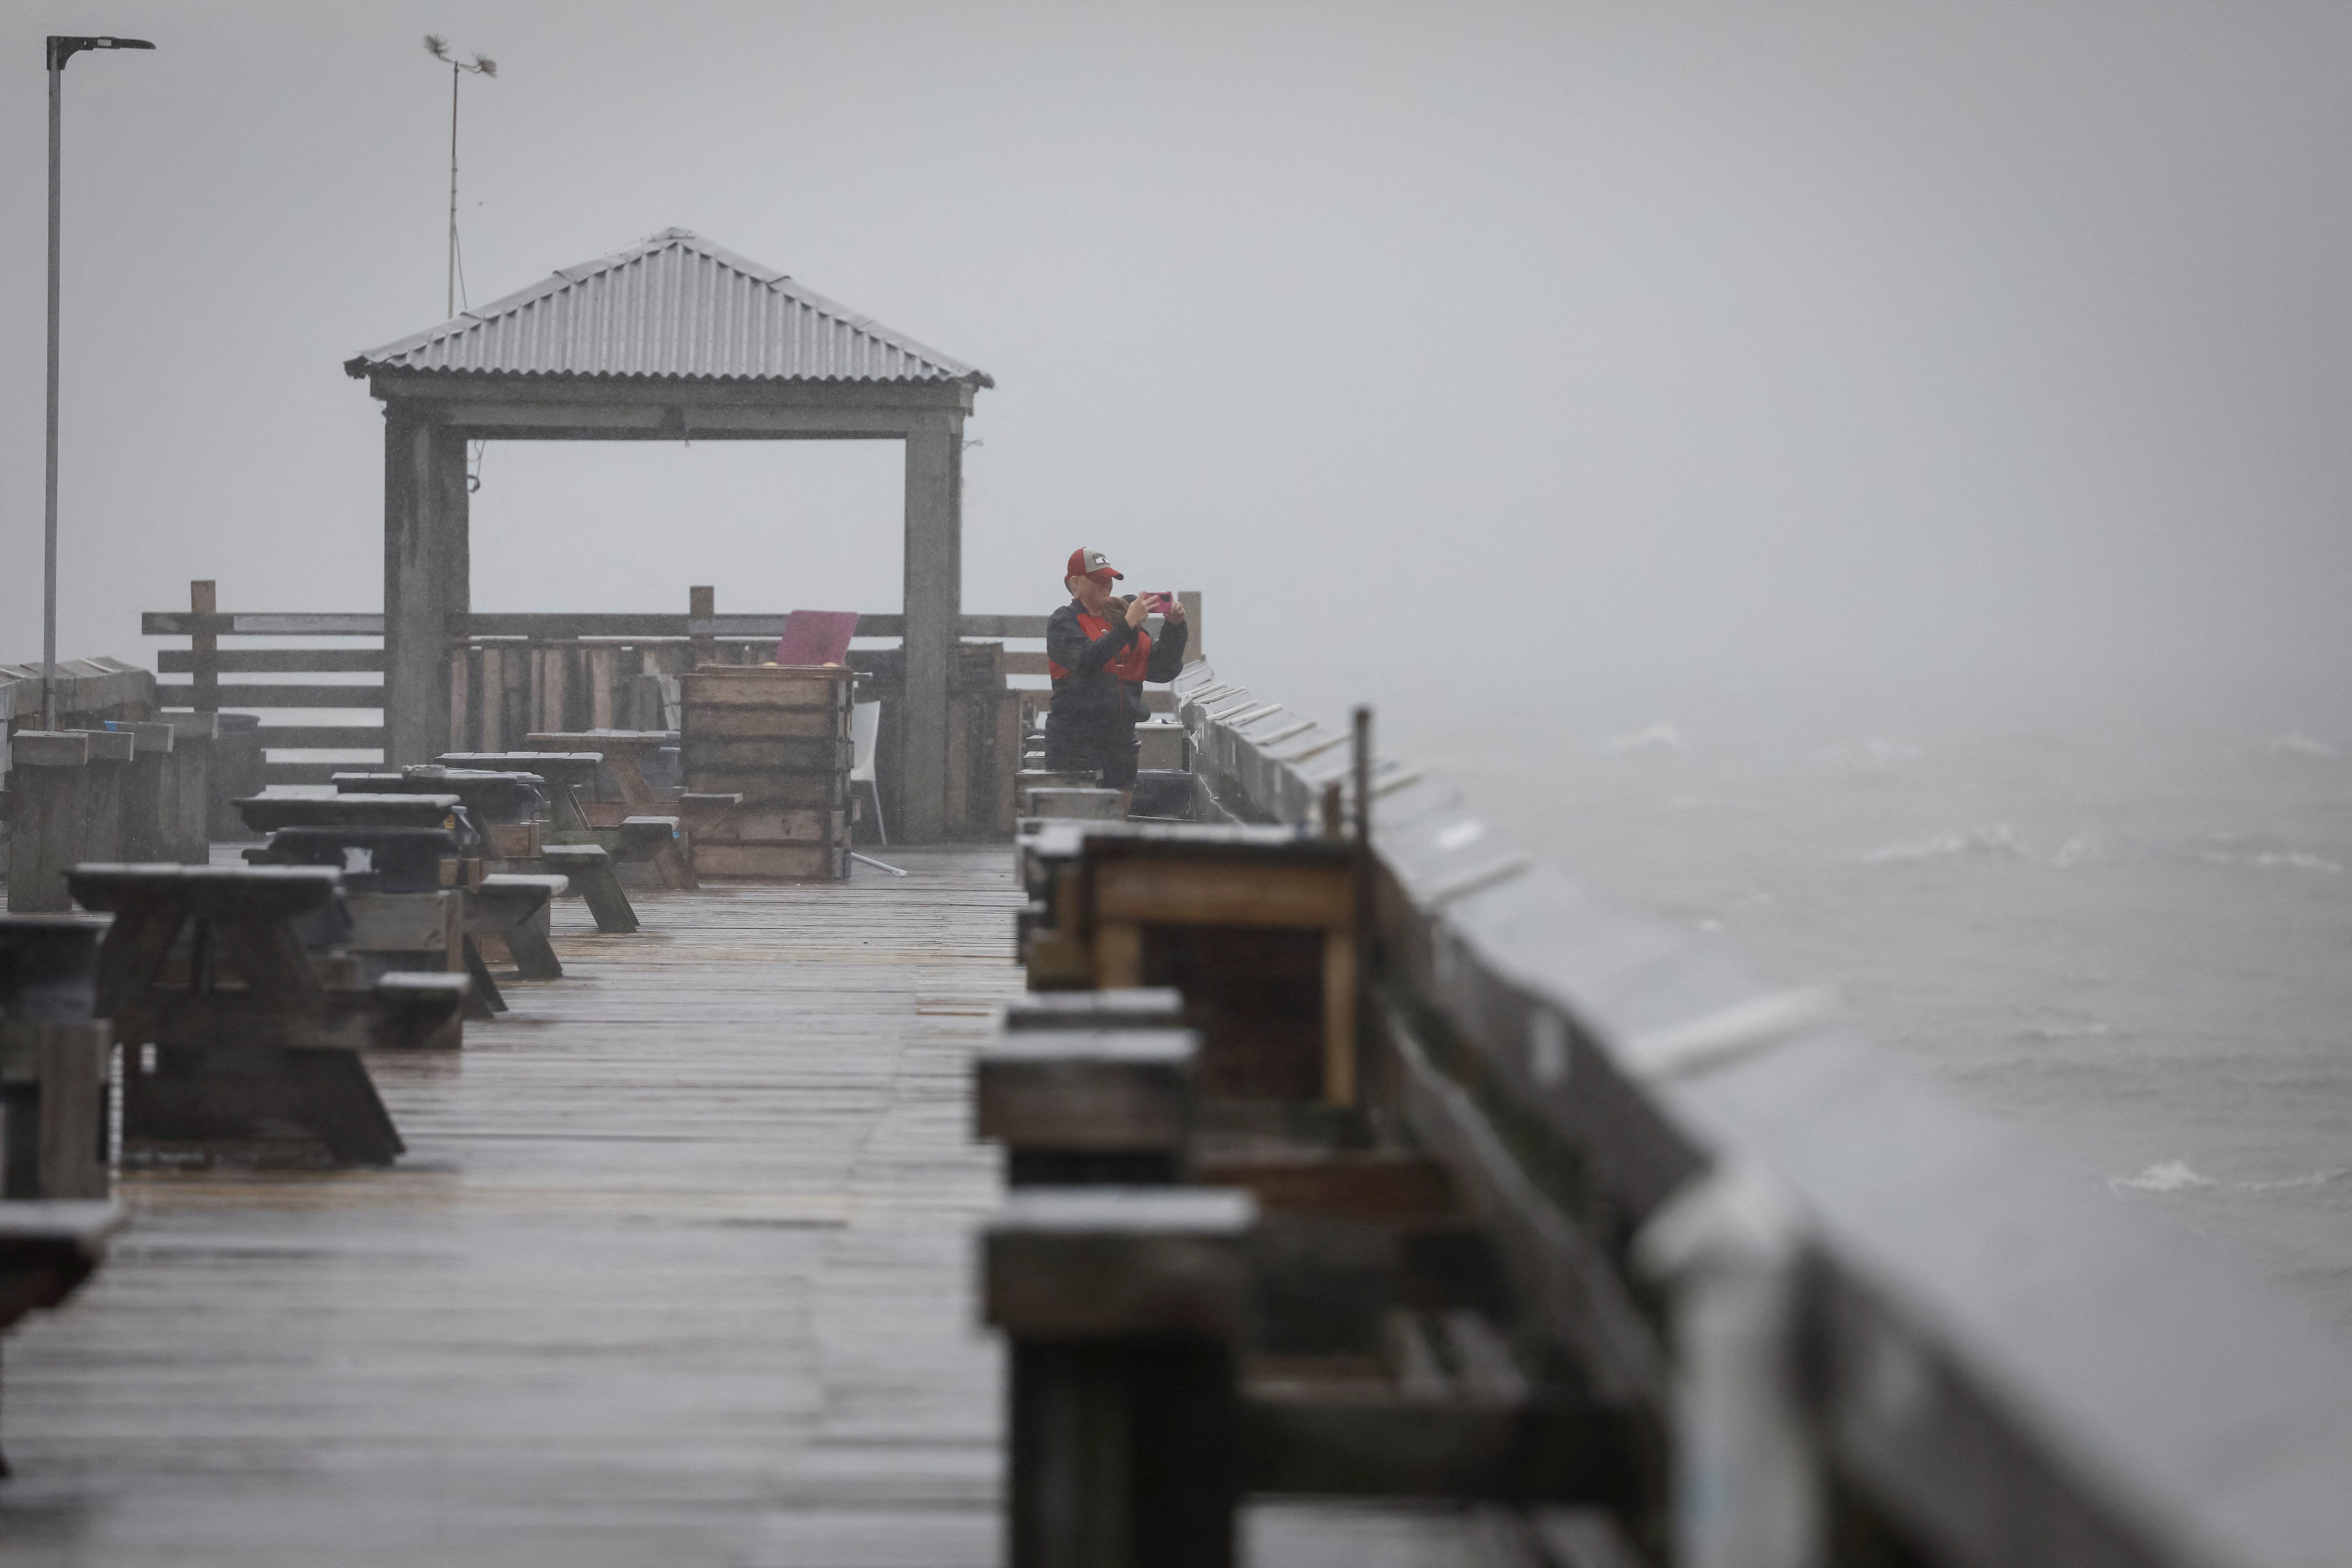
(625, 752)
(248, 1040)
(505, 806)
(637, 840)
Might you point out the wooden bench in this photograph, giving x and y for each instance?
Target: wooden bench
(511, 906)
(55, 1059)
(266, 1070)
(56, 1213)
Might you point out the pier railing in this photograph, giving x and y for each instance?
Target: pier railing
(514, 673)
(1874, 1328)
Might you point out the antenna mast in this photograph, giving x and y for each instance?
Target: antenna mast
(480, 65)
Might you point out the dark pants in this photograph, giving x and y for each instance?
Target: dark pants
(1105, 747)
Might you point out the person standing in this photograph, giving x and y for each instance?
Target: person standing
(1099, 656)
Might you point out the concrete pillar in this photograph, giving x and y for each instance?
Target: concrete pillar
(149, 804)
(45, 777)
(106, 784)
(934, 606)
(427, 578)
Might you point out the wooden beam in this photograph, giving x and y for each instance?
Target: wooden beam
(934, 607)
(271, 660)
(203, 649)
(425, 580)
(171, 695)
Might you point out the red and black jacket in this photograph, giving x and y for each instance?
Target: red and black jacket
(1099, 666)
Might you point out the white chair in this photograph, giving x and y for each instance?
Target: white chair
(864, 726)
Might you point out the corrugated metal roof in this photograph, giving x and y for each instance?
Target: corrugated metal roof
(674, 306)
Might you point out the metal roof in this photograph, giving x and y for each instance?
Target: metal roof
(676, 307)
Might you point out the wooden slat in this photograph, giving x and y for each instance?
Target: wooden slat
(262, 624)
(322, 737)
(998, 626)
(270, 660)
(1230, 894)
(288, 696)
(302, 772)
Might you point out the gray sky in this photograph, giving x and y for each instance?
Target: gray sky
(1602, 354)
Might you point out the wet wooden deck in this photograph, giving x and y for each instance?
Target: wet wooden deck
(677, 1270)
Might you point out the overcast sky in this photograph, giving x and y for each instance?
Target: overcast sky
(1587, 355)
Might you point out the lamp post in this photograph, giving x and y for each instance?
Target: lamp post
(60, 50)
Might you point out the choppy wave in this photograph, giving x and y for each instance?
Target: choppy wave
(1873, 756)
(2277, 860)
(2066, 1029)
(1659, 737)
(2178, 1176)
(2081, 847)
(2166, 1177)
(1993, 838)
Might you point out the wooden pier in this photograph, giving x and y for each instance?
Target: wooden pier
(677, 1268)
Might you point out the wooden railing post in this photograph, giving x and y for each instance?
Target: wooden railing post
(203, 670)
(701, 604)
(1190, 599)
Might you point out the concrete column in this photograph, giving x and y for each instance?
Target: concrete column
(45, 776)
(427, 579)
(934, 604)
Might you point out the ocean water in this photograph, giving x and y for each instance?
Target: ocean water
(2137, 948)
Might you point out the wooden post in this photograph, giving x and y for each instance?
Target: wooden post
(1124, 1307)
(701, 604)
(489, 736)
(189, 839)
(203, 649)
(600, 665)
(934, 607)
(1190, 599)
(150, 807)
(461, 672)
(427, 564)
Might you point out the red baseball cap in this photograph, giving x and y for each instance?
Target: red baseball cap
(1094, 563)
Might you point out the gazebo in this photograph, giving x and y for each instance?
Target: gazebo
(671, 340)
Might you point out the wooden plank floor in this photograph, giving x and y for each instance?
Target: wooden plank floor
(677, 1270)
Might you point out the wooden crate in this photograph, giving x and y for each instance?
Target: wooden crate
(778, 737)
(772, 862)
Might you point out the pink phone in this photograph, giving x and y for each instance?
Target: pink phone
(1159, 603)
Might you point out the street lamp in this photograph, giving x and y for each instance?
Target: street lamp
(60, 50)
